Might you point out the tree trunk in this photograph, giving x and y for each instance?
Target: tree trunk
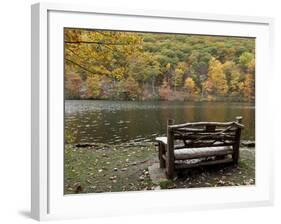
(153, 85)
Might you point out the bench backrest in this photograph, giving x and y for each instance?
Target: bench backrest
(204, 134)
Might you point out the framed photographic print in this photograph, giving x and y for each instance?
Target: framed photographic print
(148, 111)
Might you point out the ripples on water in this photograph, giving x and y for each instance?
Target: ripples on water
(115, 122)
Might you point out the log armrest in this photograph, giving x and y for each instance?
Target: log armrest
(162, 140)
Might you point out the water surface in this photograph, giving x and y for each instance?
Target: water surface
(115, 122)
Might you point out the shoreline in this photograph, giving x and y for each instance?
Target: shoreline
(226, 100)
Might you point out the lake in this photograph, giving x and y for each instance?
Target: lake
(115, 122)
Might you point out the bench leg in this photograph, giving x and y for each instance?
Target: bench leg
(170, 173)
(235, 155)
(161, 151)
(170, 169)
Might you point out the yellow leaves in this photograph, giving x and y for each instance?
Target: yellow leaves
(101, 70)
(72, 35)
(229, 66)
(178, 76)
(102, 52)
(182, 66)
(168, 66)
(189, 84)
(118, 73)
(216, 83)
(190, 87)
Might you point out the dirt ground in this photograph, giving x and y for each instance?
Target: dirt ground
(104, 168)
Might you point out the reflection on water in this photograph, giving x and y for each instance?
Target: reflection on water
(126, 121)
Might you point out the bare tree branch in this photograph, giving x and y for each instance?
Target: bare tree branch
(97, 42)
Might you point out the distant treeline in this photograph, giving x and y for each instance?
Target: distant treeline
(149, 66)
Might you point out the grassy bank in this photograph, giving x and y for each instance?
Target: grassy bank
(104, 168)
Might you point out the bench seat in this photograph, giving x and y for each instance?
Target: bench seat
(192, 153)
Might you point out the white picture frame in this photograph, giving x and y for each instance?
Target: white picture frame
(48, 201)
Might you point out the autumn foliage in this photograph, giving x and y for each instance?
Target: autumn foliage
(147, 66)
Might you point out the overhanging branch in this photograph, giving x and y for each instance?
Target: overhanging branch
(97, 42)
(81, 66)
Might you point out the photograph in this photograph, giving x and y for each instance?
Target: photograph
(148, 111)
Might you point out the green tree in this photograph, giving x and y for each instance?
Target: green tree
(246, 60)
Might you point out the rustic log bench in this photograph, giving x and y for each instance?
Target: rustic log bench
(199, 144)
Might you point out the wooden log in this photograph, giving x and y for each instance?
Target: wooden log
(200, 145)
(85, 145)
(194, 124)
(248, 143)
(205, 137)
(219, 133)
(170, 166)
(203, 163)
(210, 128)
(203, 130)
(209, 131)
(193, 153)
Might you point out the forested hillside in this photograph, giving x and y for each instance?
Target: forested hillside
(149, 66)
